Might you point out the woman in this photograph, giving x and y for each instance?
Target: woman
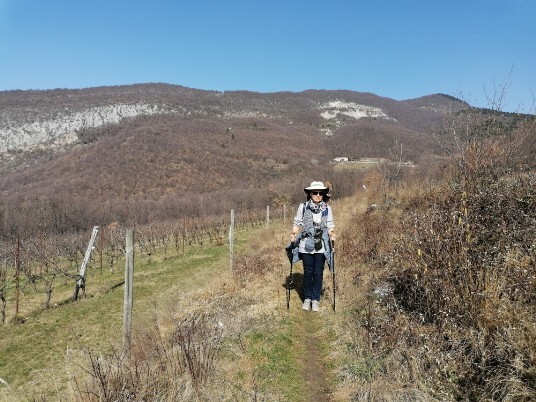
(314, 229)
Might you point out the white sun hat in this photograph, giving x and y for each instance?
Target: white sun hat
(315, 185)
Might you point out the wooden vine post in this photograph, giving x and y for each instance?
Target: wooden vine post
(81, 282)
(128, 296)
(17, 274)
(231, 240)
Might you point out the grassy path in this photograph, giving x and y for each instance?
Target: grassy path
(313, 344)
(310, 372)
(317, 376)
(290, 355)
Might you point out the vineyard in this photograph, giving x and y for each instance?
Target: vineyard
(49, 327)
(48, 264)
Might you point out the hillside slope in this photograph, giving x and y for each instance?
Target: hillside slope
(136, 152)
(58, 118)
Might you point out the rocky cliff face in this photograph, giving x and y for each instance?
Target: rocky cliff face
(29, 129)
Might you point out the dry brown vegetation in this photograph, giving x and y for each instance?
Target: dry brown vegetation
(215, 151)
(445, 269)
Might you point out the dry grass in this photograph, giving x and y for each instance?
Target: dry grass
(443, 283)
(200, 344)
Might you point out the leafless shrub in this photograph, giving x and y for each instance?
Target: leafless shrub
(458, 254)
(258, 261)
(159, 367)
(467, 261)
(198, 345)
(485, 144)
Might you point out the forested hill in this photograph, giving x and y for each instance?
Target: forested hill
(33, 119)
(110, 151)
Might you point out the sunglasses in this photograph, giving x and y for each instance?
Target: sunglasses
(317, 192)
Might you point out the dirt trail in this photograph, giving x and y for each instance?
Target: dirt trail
(319, 378)
(315, 372)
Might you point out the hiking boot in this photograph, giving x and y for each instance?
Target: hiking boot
(306, 305)
(316, 305)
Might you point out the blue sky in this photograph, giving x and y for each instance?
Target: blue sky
(398, 49)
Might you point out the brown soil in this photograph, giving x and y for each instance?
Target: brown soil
(315, 372)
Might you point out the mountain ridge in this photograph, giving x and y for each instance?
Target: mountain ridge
(39, 117)
(137, 152)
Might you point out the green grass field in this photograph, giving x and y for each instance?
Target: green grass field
(33, 347)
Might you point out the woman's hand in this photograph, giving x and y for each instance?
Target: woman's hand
(332, 235)
(294, 233)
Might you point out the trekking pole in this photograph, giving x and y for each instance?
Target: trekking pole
(289, 286)
(333, 268)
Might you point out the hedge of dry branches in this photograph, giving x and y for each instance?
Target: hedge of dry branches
(454, 271)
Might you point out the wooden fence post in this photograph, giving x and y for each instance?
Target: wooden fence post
(17, 274)
(231, 240)
(101, 247)
(128, 297)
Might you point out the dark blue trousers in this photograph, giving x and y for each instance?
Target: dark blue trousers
(313, 273)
